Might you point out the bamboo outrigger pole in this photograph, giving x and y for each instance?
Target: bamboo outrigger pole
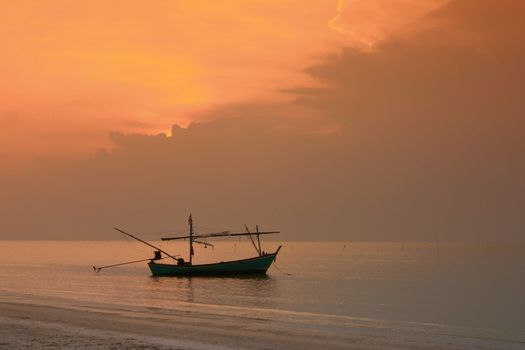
(146, 243)
(219, 234)
(253, 242)
(97, 269)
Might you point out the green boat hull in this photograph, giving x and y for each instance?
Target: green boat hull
(256, 266)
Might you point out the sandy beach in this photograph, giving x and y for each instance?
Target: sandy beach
(26, 326)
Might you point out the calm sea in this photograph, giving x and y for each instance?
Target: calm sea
(470, 291)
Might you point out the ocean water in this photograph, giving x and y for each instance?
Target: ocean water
(472, 292)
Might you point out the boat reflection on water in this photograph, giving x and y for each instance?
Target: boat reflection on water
(261, 289)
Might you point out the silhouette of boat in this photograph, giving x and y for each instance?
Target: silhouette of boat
(257, 265)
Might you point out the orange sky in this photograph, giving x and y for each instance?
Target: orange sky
(72, 72)
(365, 119)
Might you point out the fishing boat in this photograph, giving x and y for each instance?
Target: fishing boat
(256, 265)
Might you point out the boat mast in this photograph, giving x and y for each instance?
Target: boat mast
(258, 239)
(251, 239)
(190, 221)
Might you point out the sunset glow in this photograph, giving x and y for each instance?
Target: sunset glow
(358, 108)
(73, 72)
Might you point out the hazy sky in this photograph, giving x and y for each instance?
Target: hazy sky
(357, 120)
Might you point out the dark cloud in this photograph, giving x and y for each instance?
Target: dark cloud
(437, 114)
(430, 142)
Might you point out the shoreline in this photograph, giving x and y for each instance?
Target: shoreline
(124, 329)
(31, 326)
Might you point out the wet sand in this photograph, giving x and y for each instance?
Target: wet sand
(27, 326)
